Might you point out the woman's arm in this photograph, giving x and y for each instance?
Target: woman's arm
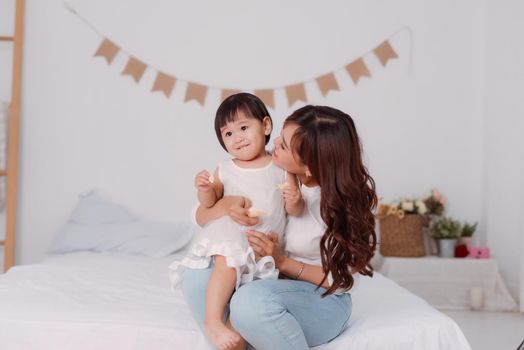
(233, 206)
(265, 245)
(304, 272)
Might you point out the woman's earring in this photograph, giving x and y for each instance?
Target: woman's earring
(308, 174)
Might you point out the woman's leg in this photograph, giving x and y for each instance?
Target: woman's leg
(287, 314)
(219, 290)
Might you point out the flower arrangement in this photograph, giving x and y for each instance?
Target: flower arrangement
(434, 204)
(446, 228)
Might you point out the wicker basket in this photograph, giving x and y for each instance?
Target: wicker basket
(401, 237)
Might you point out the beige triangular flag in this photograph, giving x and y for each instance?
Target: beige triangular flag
(357, 69)
(134, 68)
(385, 52)
(196, 92)
(108, 50)
(326, 83)
(164, 83)
(228, 92)
(295, 93)
(266, 96)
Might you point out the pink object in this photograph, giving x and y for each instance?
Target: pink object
(478, 253)
(438, 196)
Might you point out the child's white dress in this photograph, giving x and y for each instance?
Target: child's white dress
(226, 238)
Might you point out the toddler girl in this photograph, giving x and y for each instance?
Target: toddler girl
(243, 127)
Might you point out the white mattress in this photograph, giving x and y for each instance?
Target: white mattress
(115, 301)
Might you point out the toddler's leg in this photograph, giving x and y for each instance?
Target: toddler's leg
(219, 290)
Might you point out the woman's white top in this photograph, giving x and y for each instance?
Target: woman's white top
(303, 233)
(226, 238)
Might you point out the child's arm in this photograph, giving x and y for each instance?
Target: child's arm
(210, 188)
(293, 202)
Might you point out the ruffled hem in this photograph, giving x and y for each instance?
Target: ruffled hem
(237, 257)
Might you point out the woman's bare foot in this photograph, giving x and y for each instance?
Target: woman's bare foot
(221, 336)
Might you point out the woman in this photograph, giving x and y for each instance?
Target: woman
(325, 249)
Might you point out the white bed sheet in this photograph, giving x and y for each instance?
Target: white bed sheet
(95, 301)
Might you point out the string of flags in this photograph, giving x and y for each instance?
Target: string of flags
(197, 91)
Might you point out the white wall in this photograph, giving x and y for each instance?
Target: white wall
(503, 132)
(84, 125)
(7, 11)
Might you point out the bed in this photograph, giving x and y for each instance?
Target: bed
(111, 296)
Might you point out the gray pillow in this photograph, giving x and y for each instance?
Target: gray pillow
(94, 208)
(97, 224)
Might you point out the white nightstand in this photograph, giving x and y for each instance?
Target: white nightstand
(454, 283)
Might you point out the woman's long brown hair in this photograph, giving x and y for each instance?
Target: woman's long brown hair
(327, 142)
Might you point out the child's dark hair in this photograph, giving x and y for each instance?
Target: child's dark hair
(248, 103)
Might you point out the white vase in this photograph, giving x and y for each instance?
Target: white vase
(446, 248)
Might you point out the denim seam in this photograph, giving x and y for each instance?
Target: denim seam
(348, 313)
(344, 324)
(277, 324)
(347, 310)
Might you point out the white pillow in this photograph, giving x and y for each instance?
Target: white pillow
(94, 208)
(97, 224)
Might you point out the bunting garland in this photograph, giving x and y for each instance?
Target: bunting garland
(196, 92)
(266, 96)
(134, 68)
(107, 50)
(327, 83)
(165, 83)
(385, 52)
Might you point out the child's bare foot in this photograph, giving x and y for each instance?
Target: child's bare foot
(221, 336)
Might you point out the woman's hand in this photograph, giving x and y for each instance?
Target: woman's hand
(237, 209)
(266, 245)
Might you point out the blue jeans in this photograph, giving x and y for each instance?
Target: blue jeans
(269, 314)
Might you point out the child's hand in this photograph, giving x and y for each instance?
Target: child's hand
(293, 201)
(291, 192)
(202, 181)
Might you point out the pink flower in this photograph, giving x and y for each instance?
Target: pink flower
(435, 193)
(443, 200)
